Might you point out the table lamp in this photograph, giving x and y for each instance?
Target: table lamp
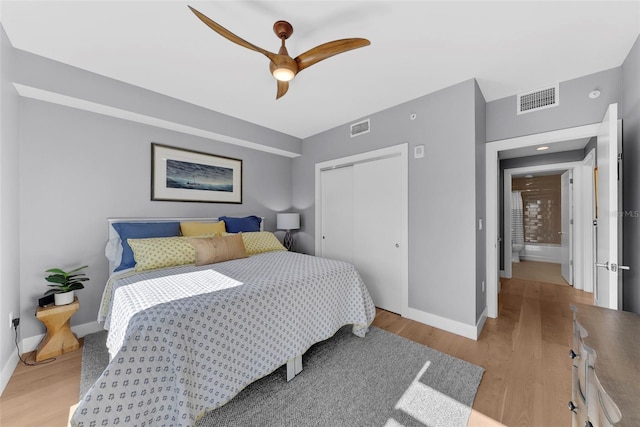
(288, 222)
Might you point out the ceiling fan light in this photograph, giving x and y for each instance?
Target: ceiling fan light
(283, 74)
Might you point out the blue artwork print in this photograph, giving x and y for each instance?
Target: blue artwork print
(195, 176)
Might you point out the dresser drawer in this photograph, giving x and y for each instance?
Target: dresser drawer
(601, 409)
(605, 354)
(580, 361)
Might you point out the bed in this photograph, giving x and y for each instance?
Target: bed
(185, 339)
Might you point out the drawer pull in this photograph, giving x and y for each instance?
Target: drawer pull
(572, 407)
(572, 354)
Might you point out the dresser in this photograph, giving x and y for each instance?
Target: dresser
(605, 357)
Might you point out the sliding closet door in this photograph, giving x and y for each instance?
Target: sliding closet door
(337, 213)
(377, 229)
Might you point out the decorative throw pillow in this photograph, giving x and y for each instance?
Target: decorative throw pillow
(162, 252)
(200, 228)
(241, 225)
(260, 242)
(139, 230)
(210, 250)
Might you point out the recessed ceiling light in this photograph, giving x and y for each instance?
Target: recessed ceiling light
(594, 94)
(528, 176)
(544, 147)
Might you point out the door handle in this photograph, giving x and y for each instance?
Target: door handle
(613, 267)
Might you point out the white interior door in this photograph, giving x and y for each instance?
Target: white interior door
(337, 213)
(376, 230)
(607, 292)
(566, 233)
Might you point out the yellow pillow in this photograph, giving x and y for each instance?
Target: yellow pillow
(257, 242)
(200, 228)
(210, 250)
(161, 252)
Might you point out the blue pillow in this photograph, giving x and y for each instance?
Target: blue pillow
(141, 230)
(239, 225)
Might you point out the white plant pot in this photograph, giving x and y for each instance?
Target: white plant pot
(64, 298)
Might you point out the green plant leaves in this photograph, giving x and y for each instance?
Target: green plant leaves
(65, 281)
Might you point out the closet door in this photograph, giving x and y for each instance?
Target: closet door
(377, 203)
(337, 213)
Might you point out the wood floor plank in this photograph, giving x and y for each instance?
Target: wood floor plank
(527, 379)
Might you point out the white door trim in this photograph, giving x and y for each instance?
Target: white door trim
(492, 176)
(396, 150)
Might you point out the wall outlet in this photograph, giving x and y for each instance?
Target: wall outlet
(11, 320)
(483, 286)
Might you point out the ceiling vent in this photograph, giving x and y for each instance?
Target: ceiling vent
(539, 99)
(360, 128)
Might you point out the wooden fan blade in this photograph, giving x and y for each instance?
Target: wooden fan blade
(283, 87)
(230, 36)
(328, 50)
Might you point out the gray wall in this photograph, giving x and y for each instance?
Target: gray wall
(442, 192)
(481, 200)
(575, 109)
(9, 201)
(43, 73)
(631, 177)
(78, 168)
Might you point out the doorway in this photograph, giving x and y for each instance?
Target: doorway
(607, 136)
(567, 238)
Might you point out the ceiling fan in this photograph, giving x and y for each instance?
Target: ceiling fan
(283, 67)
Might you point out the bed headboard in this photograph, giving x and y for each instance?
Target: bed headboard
(113, 249)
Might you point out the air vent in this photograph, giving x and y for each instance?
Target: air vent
(360, 128)
(538, 99)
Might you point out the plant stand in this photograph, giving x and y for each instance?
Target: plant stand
(59, 338)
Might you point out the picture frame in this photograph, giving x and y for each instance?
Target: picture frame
(180, 174)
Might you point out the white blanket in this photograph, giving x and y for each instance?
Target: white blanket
(188, 339)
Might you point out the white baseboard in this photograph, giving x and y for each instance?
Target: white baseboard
(31, 343)
(7, 370)
(481, 322)
(453, 326)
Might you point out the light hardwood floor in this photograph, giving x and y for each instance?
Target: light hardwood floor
(527, 379)
(547, 272)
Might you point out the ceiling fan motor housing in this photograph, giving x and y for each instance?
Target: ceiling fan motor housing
(283, 29)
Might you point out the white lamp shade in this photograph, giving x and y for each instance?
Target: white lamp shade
(288, 221)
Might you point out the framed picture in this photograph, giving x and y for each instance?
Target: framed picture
(192, 176)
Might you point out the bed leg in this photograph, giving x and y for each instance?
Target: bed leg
(294, 367)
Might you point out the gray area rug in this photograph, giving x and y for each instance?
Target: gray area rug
(381, 380)
(95, 358)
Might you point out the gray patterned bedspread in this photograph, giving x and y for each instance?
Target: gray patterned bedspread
(187, 339)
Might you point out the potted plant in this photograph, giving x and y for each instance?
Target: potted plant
(63, 283)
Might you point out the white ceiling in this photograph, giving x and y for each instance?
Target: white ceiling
(573, 144)
(417, 47)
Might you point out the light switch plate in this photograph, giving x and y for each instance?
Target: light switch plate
(418, 152)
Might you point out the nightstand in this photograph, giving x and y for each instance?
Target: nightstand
(59, 337)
